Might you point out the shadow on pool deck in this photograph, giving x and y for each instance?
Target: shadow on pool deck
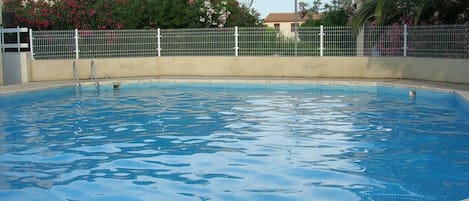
(461, 89)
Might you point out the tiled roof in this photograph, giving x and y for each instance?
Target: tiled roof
(287, 17)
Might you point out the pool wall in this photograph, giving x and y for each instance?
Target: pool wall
(430, 69)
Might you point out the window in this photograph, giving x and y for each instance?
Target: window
(293, 27)
(277, 27)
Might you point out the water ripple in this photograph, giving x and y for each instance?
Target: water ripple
(200, 142)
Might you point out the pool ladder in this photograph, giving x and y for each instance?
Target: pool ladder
(93, 72)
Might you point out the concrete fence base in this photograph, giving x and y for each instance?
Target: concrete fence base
(16, 68)
(431, 69)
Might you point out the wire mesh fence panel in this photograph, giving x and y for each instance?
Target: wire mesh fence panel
(118, 43)
(271, 42)
(448, 41)
(54, 44)
(198, 42)
(339, 41)
(257, 41)
(439, 41)
(309, 41)
(383, 41)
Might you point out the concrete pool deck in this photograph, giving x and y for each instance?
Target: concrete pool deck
(461, 89)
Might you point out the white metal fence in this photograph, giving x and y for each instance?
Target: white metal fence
(11, 39)
(450, 41)
(197, 42)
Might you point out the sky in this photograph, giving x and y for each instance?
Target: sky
(264, 7)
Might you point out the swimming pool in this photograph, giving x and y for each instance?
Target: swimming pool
(177, 141)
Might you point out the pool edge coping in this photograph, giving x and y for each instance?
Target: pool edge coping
(32, 87)
(460, 89)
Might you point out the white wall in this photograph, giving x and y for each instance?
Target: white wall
(16, 68)
(431, 69)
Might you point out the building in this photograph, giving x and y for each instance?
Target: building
(285, 22)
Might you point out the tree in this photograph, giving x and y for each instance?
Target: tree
(213, 13)
(226, 13)
(335, 14)
(128, 14)
(171, 14)
(442, 12)
(243, 16)
(29, 13)
(412, 12)
(248, 3)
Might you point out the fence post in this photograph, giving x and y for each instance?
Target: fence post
(3, 41)
(158, 35)
(31, 47)
(77, 51)
(18, 38)
(236, 41)
(321, 41)
(404, 49)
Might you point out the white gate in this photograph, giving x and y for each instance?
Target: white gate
(14, 55)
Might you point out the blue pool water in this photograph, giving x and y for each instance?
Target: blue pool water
(234, 142)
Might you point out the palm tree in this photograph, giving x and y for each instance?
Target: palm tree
(383, 12)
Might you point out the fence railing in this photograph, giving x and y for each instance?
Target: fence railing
(450, 41)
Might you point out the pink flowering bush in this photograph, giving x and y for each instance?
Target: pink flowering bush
(390, 43)
(126, 14)
(64, 14)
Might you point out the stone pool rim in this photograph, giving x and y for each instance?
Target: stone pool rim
(461, 90)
